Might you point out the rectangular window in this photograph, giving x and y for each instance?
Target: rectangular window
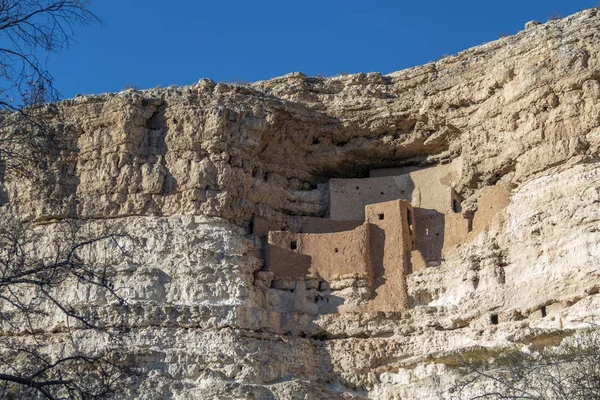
(293, 245)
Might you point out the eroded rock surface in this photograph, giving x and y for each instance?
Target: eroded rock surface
(185, 171)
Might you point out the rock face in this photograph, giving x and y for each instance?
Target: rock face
(186, 171)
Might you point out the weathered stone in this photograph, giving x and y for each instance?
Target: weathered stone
(512, 131)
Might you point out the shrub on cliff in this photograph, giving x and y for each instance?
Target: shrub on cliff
(568, 372)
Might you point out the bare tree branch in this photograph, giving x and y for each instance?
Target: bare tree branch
(34, 271)
(570, 372)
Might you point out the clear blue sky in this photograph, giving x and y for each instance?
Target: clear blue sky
(150, 42)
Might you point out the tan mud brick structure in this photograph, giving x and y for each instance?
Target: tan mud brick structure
(329, 256)
(378, 251)
(381, 229)
(429, 190)
(392, 240)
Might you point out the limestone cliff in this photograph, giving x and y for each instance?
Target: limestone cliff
(187, 170)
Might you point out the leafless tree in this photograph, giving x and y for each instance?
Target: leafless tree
(35, 271)
(34, 275)
(569, 372)
(31, 30)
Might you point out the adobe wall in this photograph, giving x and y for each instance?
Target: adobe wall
(327, 255)
(440, 225)
(326, 225)
(433, 186)
(431, 234)
(381, 249)
(456, 232)
(440, 234)
(262, 227)
(428, 188)
(348, 197)
(392, 239)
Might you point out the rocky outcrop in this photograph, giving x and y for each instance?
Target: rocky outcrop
(186, 170)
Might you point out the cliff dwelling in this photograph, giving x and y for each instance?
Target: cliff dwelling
(271, 240)
(379, 229)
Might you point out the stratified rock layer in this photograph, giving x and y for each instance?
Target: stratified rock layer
(185, 171)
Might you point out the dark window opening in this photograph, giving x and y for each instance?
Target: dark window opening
(357, 188)
(494, 319)
(409, 219)
(380, 216)
(456, 206)
(335, 250)
(293, 245)
(382, 193)
(543, 310)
